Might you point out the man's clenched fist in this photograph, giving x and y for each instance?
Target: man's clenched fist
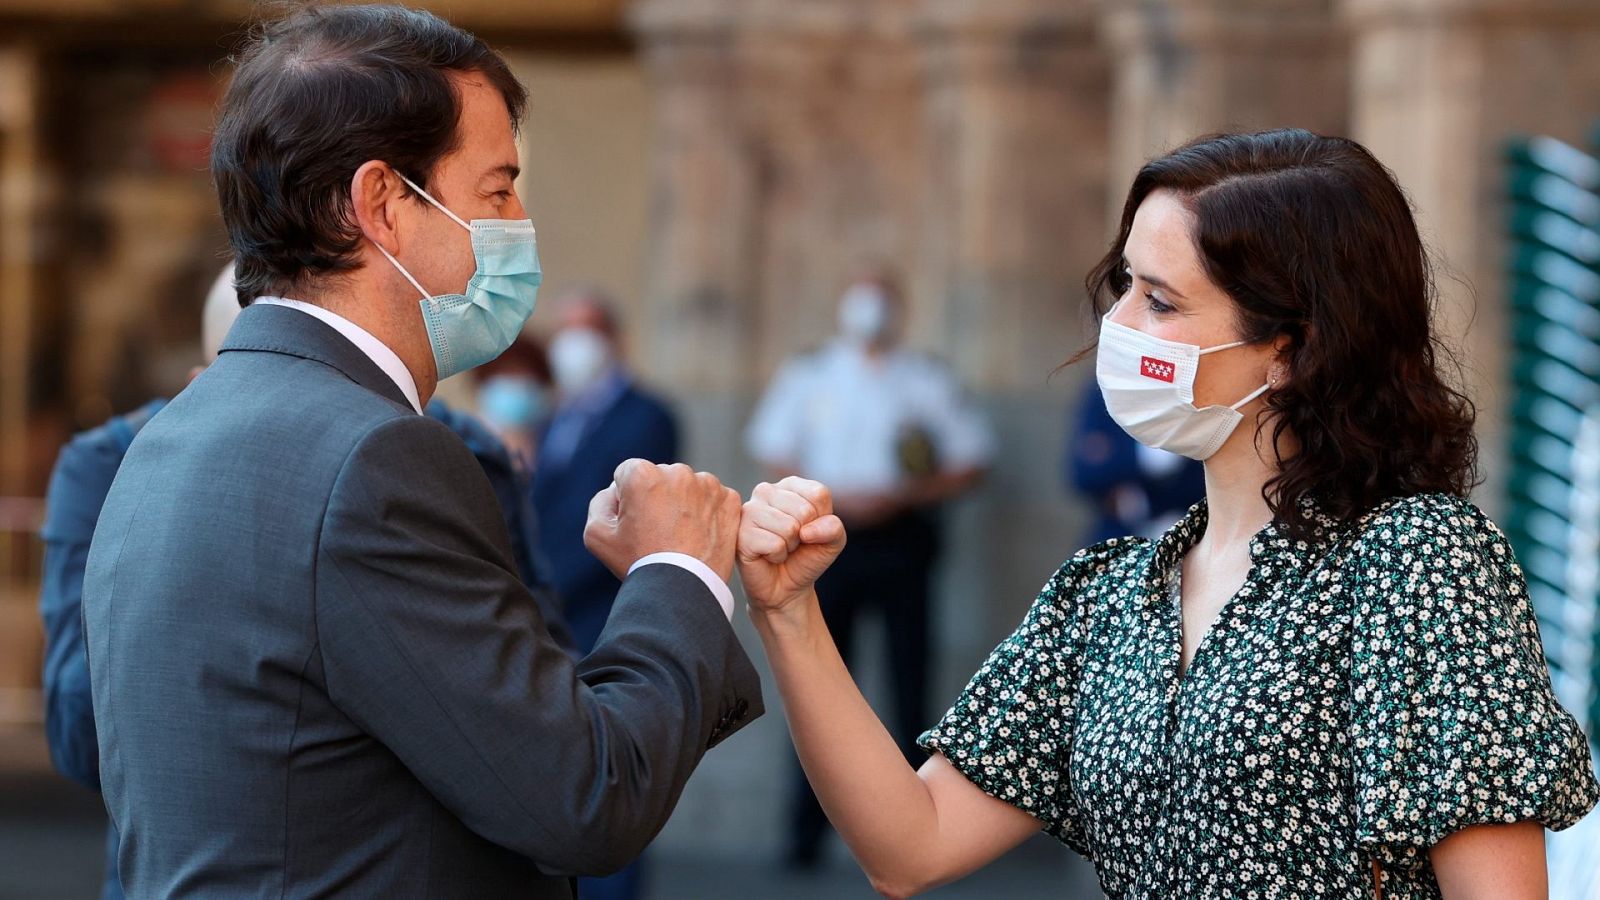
(787, 539)
(652, 508)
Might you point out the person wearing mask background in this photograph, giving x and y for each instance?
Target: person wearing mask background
(895, 435)
(603, 416)
(315, 668)
(1135, 489)
(514, 397)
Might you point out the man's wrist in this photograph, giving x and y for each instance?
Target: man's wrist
(713, 581)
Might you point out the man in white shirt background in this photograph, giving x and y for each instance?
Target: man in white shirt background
(895, 436)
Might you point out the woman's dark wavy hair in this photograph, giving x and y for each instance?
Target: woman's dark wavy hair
(315, 95)
(1315, 242)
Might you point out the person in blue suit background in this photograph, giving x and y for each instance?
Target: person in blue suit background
(82, 476)
(603, 417)
(1135, 490)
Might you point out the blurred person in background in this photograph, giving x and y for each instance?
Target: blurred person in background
(1326, 680)
(896, 436)
(1134, 489)
(83, 474)
(315, 667)
(602, 417)
(515, 397)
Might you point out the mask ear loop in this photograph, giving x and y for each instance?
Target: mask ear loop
(396, 263)
(1215, 349)
(1253, 395)
(402, 270)
(437, 205)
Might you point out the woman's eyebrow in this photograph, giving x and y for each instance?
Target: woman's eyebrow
(1155, 281)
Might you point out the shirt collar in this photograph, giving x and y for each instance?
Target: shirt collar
(375, 350)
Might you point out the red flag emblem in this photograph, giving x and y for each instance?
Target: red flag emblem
(1159, 369)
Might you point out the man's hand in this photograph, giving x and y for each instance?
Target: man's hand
(653, 508)
(787, 539)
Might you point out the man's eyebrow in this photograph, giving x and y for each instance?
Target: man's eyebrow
(508, 170)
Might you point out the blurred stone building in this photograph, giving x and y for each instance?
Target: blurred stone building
(724, 165)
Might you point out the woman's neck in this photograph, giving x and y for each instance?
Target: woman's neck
(1235, 476)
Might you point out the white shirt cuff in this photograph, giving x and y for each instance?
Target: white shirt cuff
(719, 588)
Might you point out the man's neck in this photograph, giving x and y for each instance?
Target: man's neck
(401, 331)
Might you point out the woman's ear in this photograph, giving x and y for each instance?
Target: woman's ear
(1278, 369)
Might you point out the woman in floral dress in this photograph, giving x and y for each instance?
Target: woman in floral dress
(1325, 681)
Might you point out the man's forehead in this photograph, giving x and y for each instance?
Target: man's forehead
(488, 147)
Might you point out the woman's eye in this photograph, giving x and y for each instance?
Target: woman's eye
(1156, 305)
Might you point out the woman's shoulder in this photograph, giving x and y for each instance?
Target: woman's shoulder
(1099, 569)
(1433, 518)
(1433, 544)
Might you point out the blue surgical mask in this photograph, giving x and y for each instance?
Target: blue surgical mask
(471, 328)
(512, 402)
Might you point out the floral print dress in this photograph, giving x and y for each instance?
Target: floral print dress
(1371, 689)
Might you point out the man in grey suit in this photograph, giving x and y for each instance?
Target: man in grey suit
(315, 670)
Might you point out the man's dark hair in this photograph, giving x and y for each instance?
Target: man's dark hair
(314, 96)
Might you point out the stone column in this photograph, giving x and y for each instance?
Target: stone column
(19, 80)
(695, 334)
(834, 100)
(1439, 85)
(1189, 67)
(1012, 217)
(1017, 140)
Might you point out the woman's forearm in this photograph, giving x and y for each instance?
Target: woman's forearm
(884, 812)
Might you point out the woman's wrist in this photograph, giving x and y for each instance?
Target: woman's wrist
(796, 618)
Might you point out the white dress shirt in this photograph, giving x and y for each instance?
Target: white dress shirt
(387, 360)
(838, 416)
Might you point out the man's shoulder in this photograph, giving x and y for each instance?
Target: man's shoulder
(251, 417)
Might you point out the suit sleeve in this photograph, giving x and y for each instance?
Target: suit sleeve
(431, 643)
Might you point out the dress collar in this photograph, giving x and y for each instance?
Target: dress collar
(1271, 549)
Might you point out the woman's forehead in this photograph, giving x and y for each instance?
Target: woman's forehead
(1161, 244)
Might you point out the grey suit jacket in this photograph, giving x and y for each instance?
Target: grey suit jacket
(316, 672)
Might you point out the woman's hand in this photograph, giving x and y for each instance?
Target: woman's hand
(788, 537)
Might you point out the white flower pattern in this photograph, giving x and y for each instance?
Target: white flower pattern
(1370, 690)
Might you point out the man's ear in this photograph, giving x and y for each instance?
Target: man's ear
(376, 193)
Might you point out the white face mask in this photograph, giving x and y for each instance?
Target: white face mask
(578, 356)
(1148, 384)
(864, 313)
